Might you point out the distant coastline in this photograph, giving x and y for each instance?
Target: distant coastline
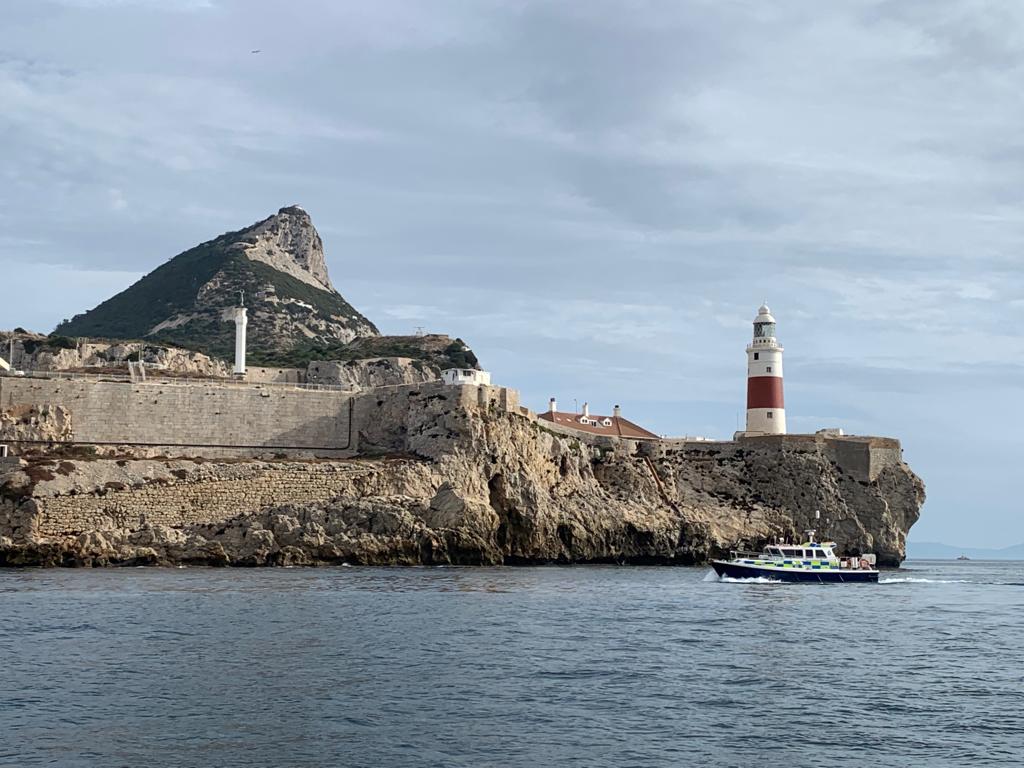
(930, 550)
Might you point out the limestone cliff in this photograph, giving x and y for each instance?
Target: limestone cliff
(450, 475)
(35, 422)
(375, 372)
(33, 352)
(382, 361)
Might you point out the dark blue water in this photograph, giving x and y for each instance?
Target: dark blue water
(598, 666)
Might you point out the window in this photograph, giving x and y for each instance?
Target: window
(757, 355)
(820, 554)
(769, 369)
(770, 416)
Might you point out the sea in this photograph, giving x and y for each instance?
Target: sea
(548, 666)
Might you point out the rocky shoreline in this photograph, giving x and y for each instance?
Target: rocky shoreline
(459, 485)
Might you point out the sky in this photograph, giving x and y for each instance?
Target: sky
(595, 196)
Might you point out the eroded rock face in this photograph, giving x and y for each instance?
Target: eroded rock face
(473, 485)
(375, 372)
(289, 243)
(42, 423)
(90, 356)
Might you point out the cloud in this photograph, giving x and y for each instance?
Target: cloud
(158, 5)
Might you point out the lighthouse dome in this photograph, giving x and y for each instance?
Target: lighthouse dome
(764, 315)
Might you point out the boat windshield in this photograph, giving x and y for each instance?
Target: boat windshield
(799, 553)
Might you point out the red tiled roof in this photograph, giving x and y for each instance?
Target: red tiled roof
(619, 426)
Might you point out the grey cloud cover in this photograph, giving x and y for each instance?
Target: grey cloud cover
(596, 195)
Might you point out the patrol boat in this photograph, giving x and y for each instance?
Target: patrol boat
(811, 561)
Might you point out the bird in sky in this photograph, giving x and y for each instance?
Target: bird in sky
(256, 51)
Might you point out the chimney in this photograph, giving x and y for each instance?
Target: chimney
(552, 405)
(586, 410)
(617, 413)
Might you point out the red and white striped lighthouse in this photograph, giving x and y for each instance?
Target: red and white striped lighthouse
(766, 413)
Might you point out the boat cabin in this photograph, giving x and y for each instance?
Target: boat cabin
(810, 561)
(807, 551)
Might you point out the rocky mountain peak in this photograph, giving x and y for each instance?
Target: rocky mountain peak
(288, 242)
(277, 263)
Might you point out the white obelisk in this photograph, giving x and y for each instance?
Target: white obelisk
(241, 321)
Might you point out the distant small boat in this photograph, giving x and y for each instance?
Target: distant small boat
(963, 557)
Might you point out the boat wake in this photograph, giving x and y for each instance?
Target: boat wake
(917, 580)
(712, 576)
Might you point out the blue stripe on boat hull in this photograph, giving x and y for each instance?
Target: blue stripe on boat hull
(824, 576)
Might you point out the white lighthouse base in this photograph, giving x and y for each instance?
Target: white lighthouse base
(765, 421)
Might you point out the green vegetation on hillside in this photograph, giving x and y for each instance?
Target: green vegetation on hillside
(168, 290)
(286, 286)
(291, 322)
(52, 342)
(173, 290)
(439, 351)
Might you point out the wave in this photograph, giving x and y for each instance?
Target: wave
(712, 576)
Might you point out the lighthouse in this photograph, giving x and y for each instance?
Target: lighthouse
(766, 414)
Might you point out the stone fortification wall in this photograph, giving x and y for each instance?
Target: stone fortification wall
(863, 458)
(228, 420)
(216, 419)
(202, 418)
(264, 375)
(104, 495)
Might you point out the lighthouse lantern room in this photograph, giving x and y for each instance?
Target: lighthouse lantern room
(766, 413)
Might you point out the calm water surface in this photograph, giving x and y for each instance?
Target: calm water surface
(598, 666)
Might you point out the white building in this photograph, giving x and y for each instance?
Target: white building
(459, 376)
(766, 413)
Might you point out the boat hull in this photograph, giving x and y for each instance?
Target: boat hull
(823, 576)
